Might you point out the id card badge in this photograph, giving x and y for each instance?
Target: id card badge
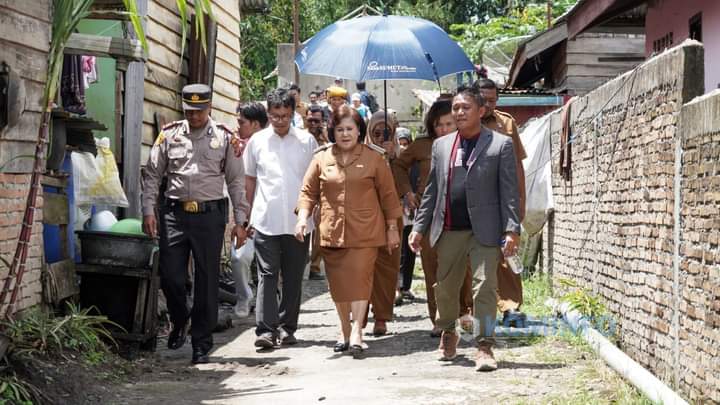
(459, 155)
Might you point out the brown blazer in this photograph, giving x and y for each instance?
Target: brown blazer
(355, 199)
(418, 151)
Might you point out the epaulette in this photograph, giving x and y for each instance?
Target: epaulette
(505, 115)
(172, 124)
(224, 128)
(323, 147)
(376, 148)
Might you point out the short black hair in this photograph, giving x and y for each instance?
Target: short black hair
(360, 85)
(295, 87)
(253, 111)
(317, 109)
(280, 98)
(485, 84)
(473, 92)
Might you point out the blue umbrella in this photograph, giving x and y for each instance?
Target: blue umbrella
(385, 47)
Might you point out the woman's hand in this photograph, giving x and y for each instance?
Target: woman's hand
(411, 200)
(393, 240)
(301, 229)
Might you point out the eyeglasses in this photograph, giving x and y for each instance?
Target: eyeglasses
(277, 118)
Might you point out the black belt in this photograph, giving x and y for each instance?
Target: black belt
(196, 207)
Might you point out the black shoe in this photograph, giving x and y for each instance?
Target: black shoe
(341, 347)
(287, 339)
(200, 356)
(315, 275)
(514, 318)
(177, 337)
(266, 341)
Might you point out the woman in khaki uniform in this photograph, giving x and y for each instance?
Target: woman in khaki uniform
(359, 208)
(438, 122)
(387, 265)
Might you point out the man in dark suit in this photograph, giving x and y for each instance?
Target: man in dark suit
(470, 206)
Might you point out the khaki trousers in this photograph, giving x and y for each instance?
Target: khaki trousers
(510, 294)
(429, 259)
(453, 249)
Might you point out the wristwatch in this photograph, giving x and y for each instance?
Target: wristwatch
(392, 227)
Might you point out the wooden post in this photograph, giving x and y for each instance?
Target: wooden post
(132, 127)
(296, 36)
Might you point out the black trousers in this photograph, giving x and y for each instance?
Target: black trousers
(202, 235)
(279, 256)
(407, 261)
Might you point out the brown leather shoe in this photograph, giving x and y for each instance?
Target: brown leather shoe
(484, 359)
(380, 328)
(448, 345)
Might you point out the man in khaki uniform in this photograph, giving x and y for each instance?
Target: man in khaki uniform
(198, 160)
(510, 295)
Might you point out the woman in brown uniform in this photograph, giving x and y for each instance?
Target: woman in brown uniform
(438, 122)
(387, 265)
(359, 208)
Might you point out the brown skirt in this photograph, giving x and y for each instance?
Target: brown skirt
(350, 272)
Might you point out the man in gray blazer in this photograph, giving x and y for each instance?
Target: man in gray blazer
(470, 206)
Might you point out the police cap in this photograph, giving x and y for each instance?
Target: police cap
(196, 96)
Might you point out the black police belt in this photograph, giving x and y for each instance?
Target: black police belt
(196, 207)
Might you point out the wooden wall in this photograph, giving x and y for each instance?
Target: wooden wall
(163, 84)
(592, 59)
(24, 45)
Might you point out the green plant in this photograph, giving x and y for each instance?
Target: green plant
(202, 7)
(38, 333)
(17, 392)
(590, 306)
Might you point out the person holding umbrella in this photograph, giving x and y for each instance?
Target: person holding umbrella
(359, 209)
(387, 265)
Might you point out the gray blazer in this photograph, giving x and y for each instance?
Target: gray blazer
(491, 187)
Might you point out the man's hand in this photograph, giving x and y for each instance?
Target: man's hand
(393, 240)
(411, 200)
(238, 235)
(300, 230)
(511, 244)
(414, 241)
(149, 225)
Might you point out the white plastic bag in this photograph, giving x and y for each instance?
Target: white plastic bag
(240, 261)
(96, 179)
(538, 175)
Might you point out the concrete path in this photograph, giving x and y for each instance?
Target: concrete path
(400, 368)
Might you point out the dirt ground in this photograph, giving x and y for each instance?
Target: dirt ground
(400, 368)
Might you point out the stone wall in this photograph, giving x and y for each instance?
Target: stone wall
(635, 223)
(14, 189)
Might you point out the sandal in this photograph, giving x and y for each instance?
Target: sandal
(341, 347)
(356, 351)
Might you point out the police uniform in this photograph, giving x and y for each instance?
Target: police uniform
(510, 295)
(198, 163)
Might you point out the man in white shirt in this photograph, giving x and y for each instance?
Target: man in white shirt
(276, 159)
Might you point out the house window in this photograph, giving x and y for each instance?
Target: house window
(696, 27)
(664, 42)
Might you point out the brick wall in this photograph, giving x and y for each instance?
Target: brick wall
(13, 194)
(614, 227)
(699, 272)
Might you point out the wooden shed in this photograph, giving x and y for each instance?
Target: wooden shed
(552, 61)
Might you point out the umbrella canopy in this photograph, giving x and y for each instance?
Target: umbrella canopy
(383, 48)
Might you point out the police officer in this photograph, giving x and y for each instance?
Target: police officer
(196, 156)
